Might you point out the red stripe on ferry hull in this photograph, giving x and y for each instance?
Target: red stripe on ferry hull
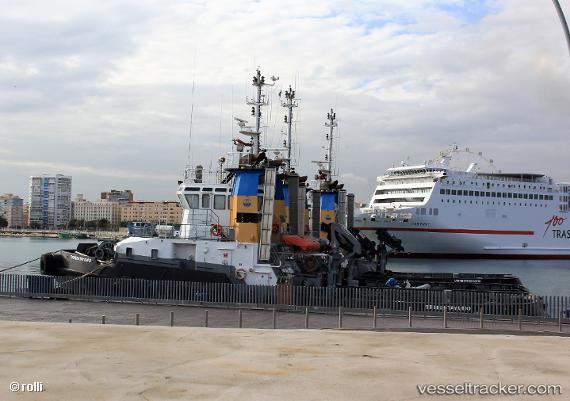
(449, 230)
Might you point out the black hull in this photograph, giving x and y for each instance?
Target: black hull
(70, 263)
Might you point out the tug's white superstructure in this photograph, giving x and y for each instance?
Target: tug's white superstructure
(437, 210)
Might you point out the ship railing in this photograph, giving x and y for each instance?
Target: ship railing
(245, 158)
(462, 308)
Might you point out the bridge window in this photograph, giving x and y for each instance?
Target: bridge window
(193, 201)
(154, 253)
(205, 201)
(219, 202)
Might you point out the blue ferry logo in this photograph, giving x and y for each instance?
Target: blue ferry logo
(328, 218)
(246, 202)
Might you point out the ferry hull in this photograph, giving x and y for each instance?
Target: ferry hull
(472, 244)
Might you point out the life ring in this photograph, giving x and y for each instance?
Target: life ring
(216, 230)
(275, 228)
(241, 273)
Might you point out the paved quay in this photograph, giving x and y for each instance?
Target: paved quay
(119, 362)
(59, 311)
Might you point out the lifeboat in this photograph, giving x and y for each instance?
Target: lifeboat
(305, 244)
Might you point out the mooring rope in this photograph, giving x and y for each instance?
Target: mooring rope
(20, 264)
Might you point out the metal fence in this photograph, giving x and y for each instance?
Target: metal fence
(418, 301)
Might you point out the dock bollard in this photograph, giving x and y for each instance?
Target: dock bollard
(171, 318)
(102, 319)
(70, 320)
(137, 319)
(340, 317)
(481, 317)
(520, 319)
(374, 313)
(306, 318)
(240, 319)
(409, 316)
(445, 316)
(206, 318)
(274, 318)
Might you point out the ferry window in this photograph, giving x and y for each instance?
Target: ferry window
(220, 190)
(525, 196)
(493, 194)
(447, 191)
(193, 201)
(476, 193)
(453, 192)
(488, 194)
(510, 195)
(435, 211)
(430, 211)
(541, 197)
(259, 203)
(154, 253)
(206, 201)
(442, 191)
(423, 211)
(488, 186)
(219, 202)
(504, 194)
(206, 189)
(470, 193)
(536, 196)
(459, 192)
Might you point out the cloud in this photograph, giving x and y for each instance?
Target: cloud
(105, 87)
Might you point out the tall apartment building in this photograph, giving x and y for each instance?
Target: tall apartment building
(95, 211)
(113, 195)
(158, 212)
(12, 208)
(50, 201)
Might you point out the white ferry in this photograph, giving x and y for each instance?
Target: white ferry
(441, 211)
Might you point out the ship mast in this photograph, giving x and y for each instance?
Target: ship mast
(289, 103)
(259, 83)
(331, 123)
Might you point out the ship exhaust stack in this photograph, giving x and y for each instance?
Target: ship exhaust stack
(293, 185)
(301, 210)
(350, 211)
(316, 214)
(341, 216)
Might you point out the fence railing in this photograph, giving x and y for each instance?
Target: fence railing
(425, 302)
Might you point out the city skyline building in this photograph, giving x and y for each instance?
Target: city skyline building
(50, 201)
(12, 208)
(158, 212)
(95, 211)
(114, 195)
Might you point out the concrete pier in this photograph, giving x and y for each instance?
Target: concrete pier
(117, 362)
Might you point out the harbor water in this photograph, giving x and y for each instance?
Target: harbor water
(543, 277)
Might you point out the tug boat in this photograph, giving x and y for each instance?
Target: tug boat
(255, 221)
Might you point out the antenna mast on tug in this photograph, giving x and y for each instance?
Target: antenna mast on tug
(331, 123)
(289, 103)
(259, 83)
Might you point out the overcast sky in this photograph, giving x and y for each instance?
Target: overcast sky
(102, 90)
